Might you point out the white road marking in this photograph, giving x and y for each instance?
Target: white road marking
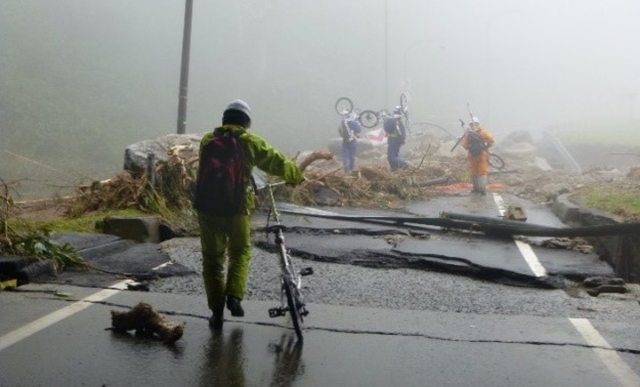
(625, 375)
(36, 326)
(530, 257)
(621, 370)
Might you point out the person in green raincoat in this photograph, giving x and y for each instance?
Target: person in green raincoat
(229, 234)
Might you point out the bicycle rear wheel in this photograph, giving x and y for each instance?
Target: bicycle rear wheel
(496, 161)
(368, 118)
(293, 302)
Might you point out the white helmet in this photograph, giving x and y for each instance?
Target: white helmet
(475, 120)
(240, 106)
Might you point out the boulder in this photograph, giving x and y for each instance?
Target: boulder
(140, 229)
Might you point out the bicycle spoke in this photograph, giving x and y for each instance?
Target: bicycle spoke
(344, 106)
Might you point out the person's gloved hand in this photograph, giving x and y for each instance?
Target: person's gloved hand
(292, 184)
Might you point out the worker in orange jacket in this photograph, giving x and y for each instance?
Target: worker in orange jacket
(477, 142)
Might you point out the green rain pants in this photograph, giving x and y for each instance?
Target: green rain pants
(219, 235)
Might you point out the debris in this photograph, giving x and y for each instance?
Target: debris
(515, 213)
(9, 284)
(575, 244)
(595, 292)
(139, 286)
(592, 282)
(144, 319)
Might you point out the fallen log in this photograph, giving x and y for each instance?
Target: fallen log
(318, 155)
(144, 319)
(490, 226)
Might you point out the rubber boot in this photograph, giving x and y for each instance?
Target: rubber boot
(233, 304)
(474, 183)
(482, 185)
(217, 318)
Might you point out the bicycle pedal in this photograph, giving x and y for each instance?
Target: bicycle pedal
(306, 271)
(276, 312)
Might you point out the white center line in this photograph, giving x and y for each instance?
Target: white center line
(527, 252)
(621, 370)
(36, 326)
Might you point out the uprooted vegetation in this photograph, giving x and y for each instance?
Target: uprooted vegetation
(434, 170)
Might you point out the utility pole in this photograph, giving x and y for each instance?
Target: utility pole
(184, 68)
(386, 55)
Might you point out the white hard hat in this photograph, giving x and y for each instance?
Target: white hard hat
(240, 106)
(475, 120)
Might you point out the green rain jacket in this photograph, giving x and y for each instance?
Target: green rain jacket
(259, 154)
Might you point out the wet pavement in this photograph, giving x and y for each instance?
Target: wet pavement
(480, 256)
(343, 346)
(388, 307)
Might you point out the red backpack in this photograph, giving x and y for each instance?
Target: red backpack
(220, 186)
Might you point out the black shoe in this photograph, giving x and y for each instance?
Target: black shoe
(217, 318)
(233, 304)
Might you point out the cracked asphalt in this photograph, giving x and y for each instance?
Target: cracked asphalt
(349, 285)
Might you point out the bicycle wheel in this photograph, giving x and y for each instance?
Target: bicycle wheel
(344, 106)
(403, 102)
(496, 161)
(293, 302)
(368, 118)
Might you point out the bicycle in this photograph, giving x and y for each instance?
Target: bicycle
(291, 298)
(344, 107)
(370, 118)
(494, 160)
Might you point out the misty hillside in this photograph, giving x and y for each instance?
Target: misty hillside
(80, 80)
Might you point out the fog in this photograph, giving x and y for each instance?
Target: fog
(80, 80)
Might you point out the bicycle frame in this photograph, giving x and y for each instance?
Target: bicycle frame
(291, 298)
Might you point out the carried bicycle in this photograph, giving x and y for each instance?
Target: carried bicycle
(291, 298)
(494, 160)
(371, 118)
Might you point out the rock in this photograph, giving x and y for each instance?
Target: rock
(520, 150)
(517, 136)
(554, 190)
(135, 155)
(542, 164)
(634, 173)
(323, 196)
(592, 282)
(140, 229)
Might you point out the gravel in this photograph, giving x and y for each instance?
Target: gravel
(339, 284)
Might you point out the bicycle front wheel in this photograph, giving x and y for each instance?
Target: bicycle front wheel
(293, 302)
(344, 106)
(403, 102)
(496, 161)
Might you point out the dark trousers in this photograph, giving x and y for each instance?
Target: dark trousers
(393, 153)
(349, 155)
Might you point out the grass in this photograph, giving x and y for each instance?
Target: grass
(84, 223)
(623, 203)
